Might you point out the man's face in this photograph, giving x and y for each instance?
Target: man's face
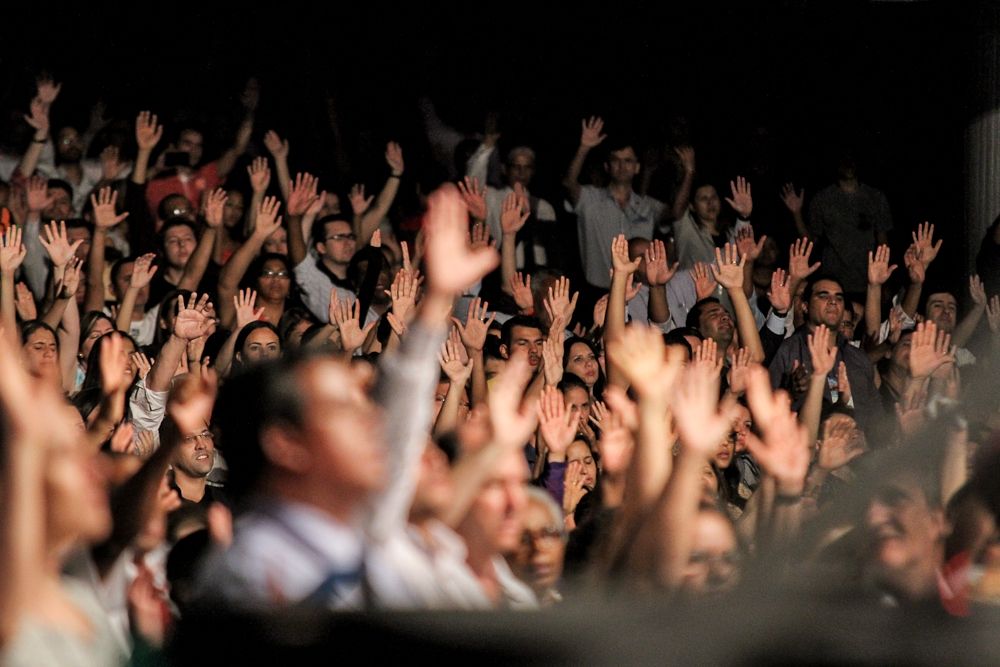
(69, 148)
(539, 559)
(905, 533)
(75, 234)
(705, 203)
(622, 166)
(526, 340)
(340, 242)
(713, 566)
(520, 169)
(178, 244)
(341, 427)
(715, 323)
(191, 142)
(494, 522)
(61, 207)
(942, 310)
(900, 356)
(196, 454)
(826, 305)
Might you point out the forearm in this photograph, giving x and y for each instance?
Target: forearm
(676, 516)
(224, 358)
(572, 179)
(746, 325)
(284, 177)
(683, 196)
(141, 168)
(8, 310)
(649, 468)
(109, 413)
(95, 271)
(614, 324)
(126, 308)
(447, 418)
(508, 262)
(166, 364)
(296, 240)
(29, 161)
(371, 218)
(800, 226)
(873, 310)
(195, 269)
(479, 386)
(812, 408)
(256, 199)
(231, 274)
(911, 299)
(659, 307)
(227, 160)
(967, 327)
(69, 343)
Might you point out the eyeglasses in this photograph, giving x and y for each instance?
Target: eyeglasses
(274, 274)
(204, 434)
(546, 535)
(729, 559)
(341, 237)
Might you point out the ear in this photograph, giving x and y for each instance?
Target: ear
(321, 248)
(283, 448)
(504, 352)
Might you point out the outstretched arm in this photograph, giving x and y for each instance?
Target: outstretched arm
(366, 223)
(590, 137)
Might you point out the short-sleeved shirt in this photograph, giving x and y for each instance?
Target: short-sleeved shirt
(848, 222)
(600, 219)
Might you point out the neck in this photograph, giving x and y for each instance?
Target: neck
(848, 185)
(173, 275)
(192, 488)
(916, 583)
(620, 191)
(336, 268)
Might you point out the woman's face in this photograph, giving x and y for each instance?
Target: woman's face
(277, 242)
(582, 363)
(706, 204)
(232, 212)
(741, 428)
(41, 354)
(579, 451)
(724, 454)
(261, 345)
(539, 559)
(578, 399)
(131, 370)
(100, 327)
(713, 566)
(274, 282)
(709, 483)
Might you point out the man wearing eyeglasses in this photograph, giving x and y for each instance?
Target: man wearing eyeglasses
(334, 242)
(192, 462)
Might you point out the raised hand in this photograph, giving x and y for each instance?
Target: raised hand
(115, 371)
(780, 295)
(38, 118)
(843, 384)
(704, 281)
(513, 214)
(268, 220)
(191, 401)
(275, 146)
(840, 444)
(111, 164)
(728, 267)
(244, 302)
(619, 257)
(977, 291)
(879, 269)
(215, 204)
(141, 363)
(658, 270)
(403, 293)
(348, 318)
(39, 198)
(450, 358)
(47, 90)
(70, 281)
(301, 194)
(823, 356)
(359, 202)
(480, 236)
(741, 201)
(477, 325)
(557, 425)
(552, 359)
(747, 246)
(993, 313)
(737, 377)
(914, 267)
(929, 350)
(143, 271)
(558, 302)
(783, 451)
(642, 358)
(56, 243)
(394, 158)
(686, 156)
(451, 265)
(591, 132)
(24, 301)
(923, 239)
(600, 311)
(707, 355)
(260, 175)
(799, 267)
(474, 196)
(702, 422)
(104, 208)
(520, 287)
(148, 131)
(12, 251)
(512, 423)
(792, 199)
(194, 319)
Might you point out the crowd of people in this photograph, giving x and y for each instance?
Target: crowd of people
(288, 397)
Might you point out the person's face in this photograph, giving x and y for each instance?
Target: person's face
(61, 207)
(905, 533)
(741, 427)
(261, 345)
(121, 284)
(526, 340)
(622, 166)
(277, 242)
(74, 234)
(582, 362)
(274, 282)
(331, 205)
(715, 322)
(196, 454)
(494, 522)
(520, 169)
(539, 558)
(942, 310)
(76, 494)
(191, 142)
(724, 453)
(341, 428)
(435, 490)
(799, 307)
(578, 400)
(826, 305)
(69, 147)
(900, 357)
(42, 355)
(100, 327)
(340, 242)
(847, 324)
(178, 244)
(232, 211)
(579, 451)
(441, 393)
(706, 204)
(295, 334)
(713, 565)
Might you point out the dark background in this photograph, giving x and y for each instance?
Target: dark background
(774, 91)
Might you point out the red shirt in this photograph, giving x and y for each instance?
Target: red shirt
(205, 178)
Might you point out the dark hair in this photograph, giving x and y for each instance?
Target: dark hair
(694, 315)
(291, 319)
(256, 270)
(677, 337)
(929, 291)
(79, 223)
(92, 391)
(318, 231)
(811, 284)
(244, 333)
(31, 326)
(572, 381)
(526, 321)
(163, 209)
(91, 318)
(60, 184)
(615, 143)
(491, 350)
(598, 389)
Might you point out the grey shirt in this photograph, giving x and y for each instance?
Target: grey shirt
(600, 219)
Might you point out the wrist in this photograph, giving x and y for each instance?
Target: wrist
(789, 493)
(556, 457)
(44, 138)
